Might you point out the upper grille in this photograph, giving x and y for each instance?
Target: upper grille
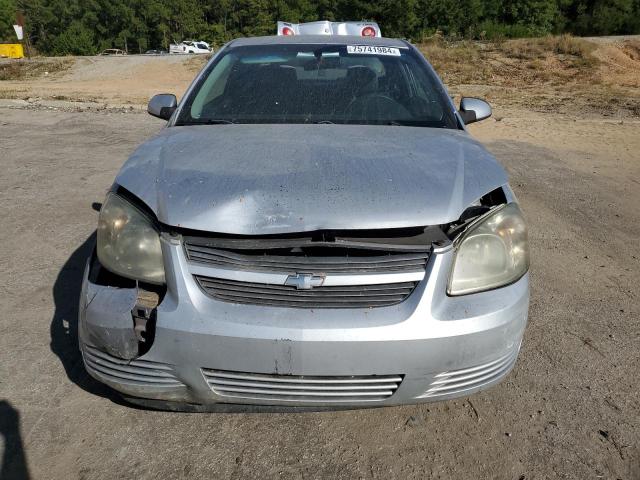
(315, 389)
(330, 261)
(351, 296)
(135, 372)
(388, 264)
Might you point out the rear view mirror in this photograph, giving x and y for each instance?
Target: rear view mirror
(162, 105)
(474, 110)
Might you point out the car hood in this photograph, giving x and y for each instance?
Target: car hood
(268, 179)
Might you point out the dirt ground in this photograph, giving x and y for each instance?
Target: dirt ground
(570, 408)
(129, 80)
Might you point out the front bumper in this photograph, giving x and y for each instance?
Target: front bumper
(429, 347)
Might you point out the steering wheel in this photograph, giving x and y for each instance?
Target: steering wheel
(376, 102)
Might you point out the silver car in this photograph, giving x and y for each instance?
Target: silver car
(314, 227)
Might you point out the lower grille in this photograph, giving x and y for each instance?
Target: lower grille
(459, 381)
(134, 372)
(289, 388)
(352, 296)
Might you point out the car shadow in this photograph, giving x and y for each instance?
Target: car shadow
(64, 324)
(13, 463)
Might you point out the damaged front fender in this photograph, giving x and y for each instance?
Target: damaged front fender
(105, 319)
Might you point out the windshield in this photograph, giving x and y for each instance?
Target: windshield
(318, 84)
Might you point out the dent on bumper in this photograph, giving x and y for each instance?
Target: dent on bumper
(439, 347)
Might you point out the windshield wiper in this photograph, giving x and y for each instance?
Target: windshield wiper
(208, 121)
(413, 123)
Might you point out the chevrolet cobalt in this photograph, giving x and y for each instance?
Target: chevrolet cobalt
(313, 227)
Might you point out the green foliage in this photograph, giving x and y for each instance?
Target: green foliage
(76, 40)
(87, 26)
(7, 19)
(601, 17)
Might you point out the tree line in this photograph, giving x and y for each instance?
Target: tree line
(84, 27)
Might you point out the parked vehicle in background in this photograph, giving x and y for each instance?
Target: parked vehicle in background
(190, 47)
(356, 29)
(113, 51)
(156, 52)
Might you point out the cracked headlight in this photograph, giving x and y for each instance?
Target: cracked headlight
(492, 253)
(128, 242)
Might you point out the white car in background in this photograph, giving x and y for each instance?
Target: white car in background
(190, 47)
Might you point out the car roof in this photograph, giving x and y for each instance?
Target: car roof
(318, 39)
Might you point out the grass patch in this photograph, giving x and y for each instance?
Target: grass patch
(457, 62)
(525, 61)
(632, 49)
(543, 47)
(553, 59)
(24, 69)
(550, 74)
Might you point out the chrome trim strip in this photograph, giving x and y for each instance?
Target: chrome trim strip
(331, 280)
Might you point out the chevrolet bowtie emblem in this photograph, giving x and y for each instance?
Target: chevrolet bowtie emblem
(304, 281)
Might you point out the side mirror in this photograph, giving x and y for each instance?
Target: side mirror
(162, 105)
(474, 110)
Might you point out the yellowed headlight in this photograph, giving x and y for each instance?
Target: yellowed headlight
(128, 243)
(493, 253)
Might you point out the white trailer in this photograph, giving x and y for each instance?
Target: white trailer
(358, 29)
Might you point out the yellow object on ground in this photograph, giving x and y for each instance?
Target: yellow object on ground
(11, 50)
